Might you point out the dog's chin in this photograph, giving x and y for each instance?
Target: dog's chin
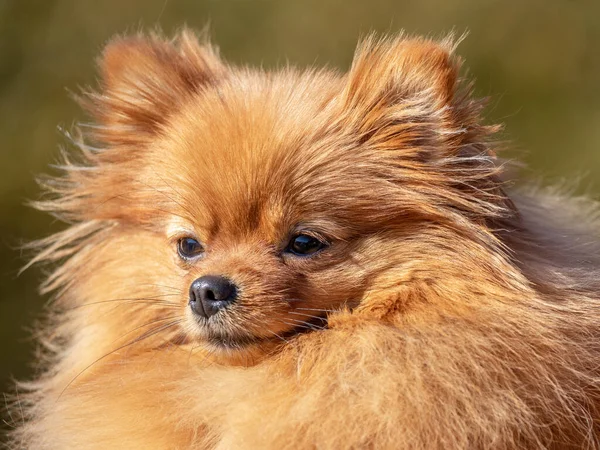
(232, 341)
(233, 349)
(241, 343)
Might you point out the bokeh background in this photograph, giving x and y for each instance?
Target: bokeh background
(538, 60)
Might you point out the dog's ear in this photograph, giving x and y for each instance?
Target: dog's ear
(143, 80)
(404, 98)
(405, 93)
(390, 70)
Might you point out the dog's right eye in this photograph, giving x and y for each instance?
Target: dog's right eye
(189, 248)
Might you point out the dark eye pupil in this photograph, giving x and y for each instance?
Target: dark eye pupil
(305, 245)
(189, 247)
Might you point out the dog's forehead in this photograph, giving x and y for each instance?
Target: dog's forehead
(240, 153)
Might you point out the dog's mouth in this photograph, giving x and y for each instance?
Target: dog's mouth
(233, 341)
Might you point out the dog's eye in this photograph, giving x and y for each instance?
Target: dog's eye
(304, 245)
(189, 248)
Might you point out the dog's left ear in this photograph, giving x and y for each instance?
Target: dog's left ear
(405, 93)
(404, 99)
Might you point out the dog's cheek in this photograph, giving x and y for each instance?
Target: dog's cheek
(331, 289)
(344, 279)
(124, 295)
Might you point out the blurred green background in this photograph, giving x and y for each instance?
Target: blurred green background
(539, 60)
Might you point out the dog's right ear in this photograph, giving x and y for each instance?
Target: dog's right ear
(143, 80)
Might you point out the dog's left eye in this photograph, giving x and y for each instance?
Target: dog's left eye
(304, 245)
(189, 248)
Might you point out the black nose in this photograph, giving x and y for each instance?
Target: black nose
(210, 293)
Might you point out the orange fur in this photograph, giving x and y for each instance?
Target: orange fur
(461, 312)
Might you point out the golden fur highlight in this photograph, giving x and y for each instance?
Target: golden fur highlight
(450, 309)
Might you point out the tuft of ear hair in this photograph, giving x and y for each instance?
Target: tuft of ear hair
(400, 65)
(144, 78)
(406, 93)
(404, 98)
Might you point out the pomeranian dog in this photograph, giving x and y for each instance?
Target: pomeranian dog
(308, 260)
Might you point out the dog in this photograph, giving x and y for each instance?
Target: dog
(301, 259)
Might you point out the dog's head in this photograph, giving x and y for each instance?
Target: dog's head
(235, 207)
